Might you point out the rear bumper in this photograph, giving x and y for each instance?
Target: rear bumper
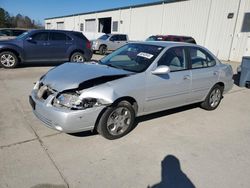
(68, 121)
(88, 53)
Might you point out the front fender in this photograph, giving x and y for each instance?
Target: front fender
(12, 47)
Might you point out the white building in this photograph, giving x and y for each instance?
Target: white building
(223, 26)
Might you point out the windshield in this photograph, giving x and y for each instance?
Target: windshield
(22, 35)
(104, 37)
(133, 57)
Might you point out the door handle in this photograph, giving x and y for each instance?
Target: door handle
(187, 77)
(45, 43)
(216, 73)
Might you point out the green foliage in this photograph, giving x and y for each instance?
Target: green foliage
(20, 21)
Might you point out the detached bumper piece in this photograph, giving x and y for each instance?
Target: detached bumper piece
(248, 84)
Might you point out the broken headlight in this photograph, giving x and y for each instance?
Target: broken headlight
(72, 101)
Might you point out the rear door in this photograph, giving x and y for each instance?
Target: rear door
(36, 47)
(205, 73)
(59, 43)
(113, 43)
(123, 40)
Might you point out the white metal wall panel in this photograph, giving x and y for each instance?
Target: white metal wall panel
(187, 18)
(90, 25)
(239, 47)
(221, 29)
(205, 20)
(146, 21)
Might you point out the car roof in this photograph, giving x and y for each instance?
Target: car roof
(24, 29)
(53, 30)
(179, 36)
(166, 44)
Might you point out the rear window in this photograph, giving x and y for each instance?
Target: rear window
(80, 35)
(123, 37)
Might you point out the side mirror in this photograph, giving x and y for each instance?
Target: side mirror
(29, 39)
(162, 69)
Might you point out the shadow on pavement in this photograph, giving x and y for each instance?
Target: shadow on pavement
(139, 119)
(172, 175)
(84, 134)
(48, 186)
(165, 113)
(41, 64)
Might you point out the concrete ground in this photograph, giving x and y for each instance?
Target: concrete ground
(186, 147)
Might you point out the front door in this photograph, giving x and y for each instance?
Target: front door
(36, 47)
(172, 89)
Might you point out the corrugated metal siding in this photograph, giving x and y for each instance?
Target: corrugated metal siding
(186, 18)
(205, 20)
(220, 29)
(239, 46)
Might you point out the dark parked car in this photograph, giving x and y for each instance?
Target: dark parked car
(10, 33)
(174, 38)
(44, 46)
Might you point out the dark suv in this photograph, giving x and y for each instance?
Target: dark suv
(174, 38)
(45, 46)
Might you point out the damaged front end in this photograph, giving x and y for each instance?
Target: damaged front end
(72, 101)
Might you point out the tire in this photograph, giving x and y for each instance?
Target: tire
(77, 57)
(8, 60)
(103, 49)
(116, 121)
(213, 98)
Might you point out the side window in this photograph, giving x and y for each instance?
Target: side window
(58, 36)
(123, 38)
(43, 36)
(114, 38)
(176, 39)
(175, 59)
(200, 59)
(7, 32)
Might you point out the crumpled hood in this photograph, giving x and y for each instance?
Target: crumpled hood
(71, 75)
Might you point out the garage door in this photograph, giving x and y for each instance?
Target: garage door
(90, 25)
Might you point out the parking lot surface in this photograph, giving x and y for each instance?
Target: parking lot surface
(187, 147)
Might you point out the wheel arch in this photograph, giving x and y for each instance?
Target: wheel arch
(18, 54)
(74, 51)
(129, 99)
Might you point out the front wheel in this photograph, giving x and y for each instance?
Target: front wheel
(117, 121)
(77, 57)
(8, 60)
(213, 98)
(103, 50)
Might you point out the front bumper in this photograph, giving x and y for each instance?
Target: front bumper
(64, 120)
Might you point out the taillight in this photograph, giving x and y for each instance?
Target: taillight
(88, 45)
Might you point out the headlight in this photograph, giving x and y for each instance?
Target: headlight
(72, 101)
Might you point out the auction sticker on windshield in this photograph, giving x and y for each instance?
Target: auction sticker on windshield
(146, 55)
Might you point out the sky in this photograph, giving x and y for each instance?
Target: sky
(41, 9)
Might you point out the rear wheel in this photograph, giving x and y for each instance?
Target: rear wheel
(213, 98)
(77, 57)
(103, 50)
(8, 60)
(117, 121)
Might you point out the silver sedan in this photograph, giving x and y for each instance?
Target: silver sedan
(135, 80)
